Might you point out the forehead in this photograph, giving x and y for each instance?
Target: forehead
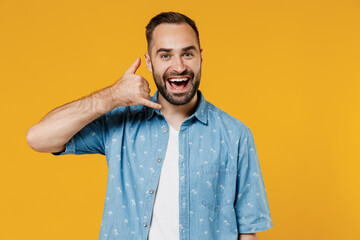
(174, 36)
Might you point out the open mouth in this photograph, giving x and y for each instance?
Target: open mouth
(178, 83)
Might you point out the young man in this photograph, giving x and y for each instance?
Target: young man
(179, 167)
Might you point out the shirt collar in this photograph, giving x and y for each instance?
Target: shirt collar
(200, 112)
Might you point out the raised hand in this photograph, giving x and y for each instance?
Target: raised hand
(132, 89)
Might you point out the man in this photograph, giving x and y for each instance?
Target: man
(179, 167)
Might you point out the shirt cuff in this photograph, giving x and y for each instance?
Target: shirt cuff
(69, 148)
(253, 228)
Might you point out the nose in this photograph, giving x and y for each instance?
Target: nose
(179, 65)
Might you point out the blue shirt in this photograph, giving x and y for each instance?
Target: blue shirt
(221, 189)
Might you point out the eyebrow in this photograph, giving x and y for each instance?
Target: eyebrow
(192, 47)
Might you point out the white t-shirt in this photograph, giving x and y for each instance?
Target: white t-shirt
(165, 218)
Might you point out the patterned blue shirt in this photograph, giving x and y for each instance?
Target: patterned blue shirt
(221, 189)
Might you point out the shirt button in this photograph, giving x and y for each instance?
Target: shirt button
(144, 224)
(164, 130)
(151, 191)
(159, 159)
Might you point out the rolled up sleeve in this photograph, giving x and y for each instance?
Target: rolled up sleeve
(89, 140)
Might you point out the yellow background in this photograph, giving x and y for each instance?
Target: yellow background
(287, 69)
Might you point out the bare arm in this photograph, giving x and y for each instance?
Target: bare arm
(247, 236)
(59, 125)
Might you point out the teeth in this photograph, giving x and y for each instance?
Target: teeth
(178, 79)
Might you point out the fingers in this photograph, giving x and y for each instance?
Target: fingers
(146, 83)
(151, 104)
(132, 69)
(145, 86)
(147, 90)
(138, 83)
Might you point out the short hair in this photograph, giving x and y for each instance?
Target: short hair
(170, 18)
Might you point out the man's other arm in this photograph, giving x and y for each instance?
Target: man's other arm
(57, 127)
(247, 236)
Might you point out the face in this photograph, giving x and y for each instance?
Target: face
(175, 62)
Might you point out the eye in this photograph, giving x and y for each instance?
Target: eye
(189, 54)
(164, 56)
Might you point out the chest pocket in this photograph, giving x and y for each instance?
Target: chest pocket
(217, 185)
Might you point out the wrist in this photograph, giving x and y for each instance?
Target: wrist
(103, 101)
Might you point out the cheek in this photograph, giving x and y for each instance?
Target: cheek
(195, 65)
(159, 69)
(196, 68)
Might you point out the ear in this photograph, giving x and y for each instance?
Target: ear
(201, 57)
(148, 62)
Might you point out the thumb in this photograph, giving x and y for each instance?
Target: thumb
(132, 69)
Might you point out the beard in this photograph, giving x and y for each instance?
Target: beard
(178, 98)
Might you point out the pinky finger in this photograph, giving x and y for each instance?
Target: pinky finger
(151, 104)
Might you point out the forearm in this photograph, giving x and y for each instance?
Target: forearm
(59, 125)
(247, 236)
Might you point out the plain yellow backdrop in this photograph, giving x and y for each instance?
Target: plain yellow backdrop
(287, 69)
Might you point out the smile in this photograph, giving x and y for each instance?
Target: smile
(178, 83)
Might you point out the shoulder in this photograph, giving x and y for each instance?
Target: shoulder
(122, 114)
(224, 120)
(125, 110)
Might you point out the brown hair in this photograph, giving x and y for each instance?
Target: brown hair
(168, 17)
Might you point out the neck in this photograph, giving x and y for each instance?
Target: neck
(176, 114)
